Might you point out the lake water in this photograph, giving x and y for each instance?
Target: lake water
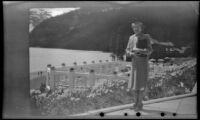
(40, 57)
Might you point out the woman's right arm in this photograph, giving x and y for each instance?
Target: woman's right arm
(128, 48)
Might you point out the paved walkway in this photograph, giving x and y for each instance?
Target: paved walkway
(181, 106)
(185, 107)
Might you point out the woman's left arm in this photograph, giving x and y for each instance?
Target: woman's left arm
(149, 46)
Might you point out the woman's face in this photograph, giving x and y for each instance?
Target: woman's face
(137, 29)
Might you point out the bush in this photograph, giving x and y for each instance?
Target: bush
(42, 87)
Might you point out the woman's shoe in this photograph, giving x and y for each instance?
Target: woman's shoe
(134, 106)
(140, 104)
(139, 107)
(136, 101)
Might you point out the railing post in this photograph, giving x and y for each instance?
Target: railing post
(124, 57)
(84, 62)
(130, 82)
(71, 78)
(115, 75)
(105, 68)
(52, 78)
(117, 69)
(194, 90)
(93, 62)
(100, 61)
(48, 74)
(85, 83)
(75, 66)
(91, 79)
(63, 66)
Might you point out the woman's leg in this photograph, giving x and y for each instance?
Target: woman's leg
(136, 99)
(142, 81)
(140, 98)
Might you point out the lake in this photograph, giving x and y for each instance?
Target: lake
(40, 57)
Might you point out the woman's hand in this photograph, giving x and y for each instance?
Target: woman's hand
(142, 51)
(136, 50)
(129, 53)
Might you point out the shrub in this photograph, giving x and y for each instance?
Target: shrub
(42, 87)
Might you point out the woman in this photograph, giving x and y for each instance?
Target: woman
(139, 48)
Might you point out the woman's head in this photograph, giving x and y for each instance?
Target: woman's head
(137, 27)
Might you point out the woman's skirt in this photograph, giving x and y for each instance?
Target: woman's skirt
(139, 76)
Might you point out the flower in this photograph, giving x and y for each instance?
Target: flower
(106, 91)
(72, 98)
(110, 91)
(77, 99)
(173, 74)
(181, 84)
(187, 90)
(47, 88)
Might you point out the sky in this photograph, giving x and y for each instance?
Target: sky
(59, 11)
(54, 12)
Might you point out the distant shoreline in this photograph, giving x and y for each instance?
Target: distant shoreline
(71, 49)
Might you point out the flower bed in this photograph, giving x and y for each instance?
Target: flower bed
(164, 81)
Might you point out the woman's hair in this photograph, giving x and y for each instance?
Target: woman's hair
(137, 23)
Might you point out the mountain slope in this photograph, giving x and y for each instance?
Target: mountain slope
(108, 28)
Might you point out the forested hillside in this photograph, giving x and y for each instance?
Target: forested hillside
(108, 28)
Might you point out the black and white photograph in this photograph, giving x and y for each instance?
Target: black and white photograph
(113, 59)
